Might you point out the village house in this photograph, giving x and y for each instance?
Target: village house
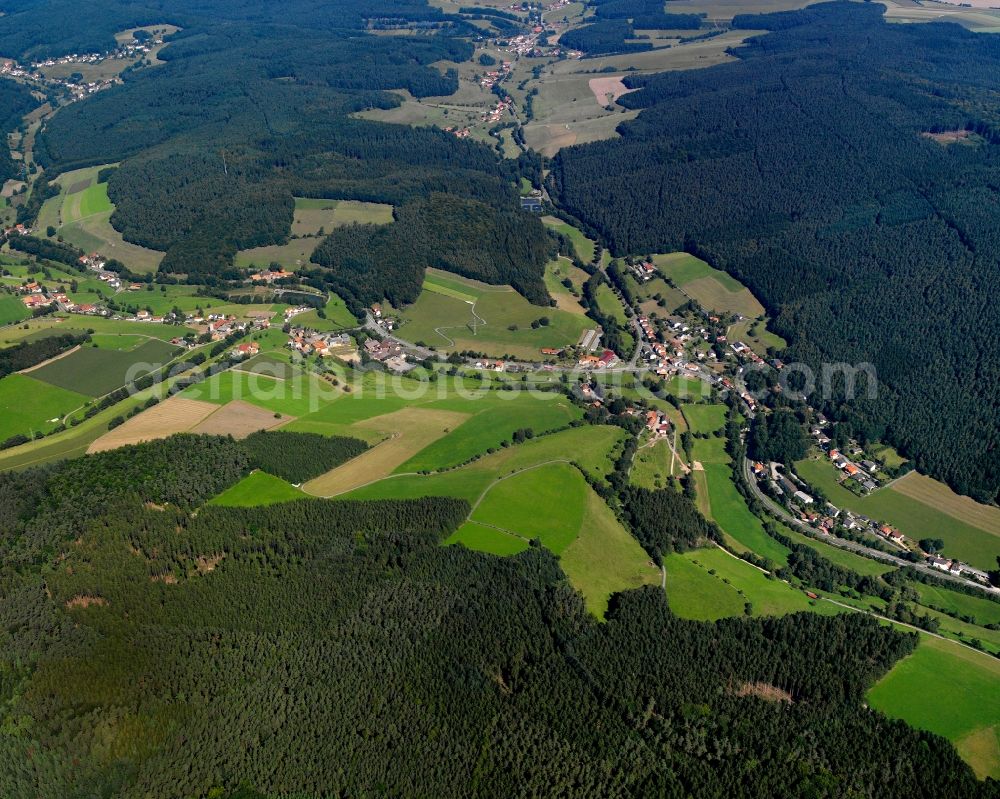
(246, 350)
(383, 350)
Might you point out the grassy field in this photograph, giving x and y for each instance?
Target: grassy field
(730, 512)
(652, 466)
(566, 300)
(583, 246)
(605, 558)
(711, 288)
(982, 610)
(592, 446)
(337, 316)
(296, 398)
(487, 539)
(443, 317)
(849, 560)
(313, 215)
(81, 214)
(685, 388)
(769, 597)
(553, 503)
(756, 336)
(291, 256)
(704, 418)
(96, 371)
(30, 406)
(610, 305)
(494, 421)
(950, 690)
(546, 502)
(709, 450)
(939, 516)
(258, 488)
(12, 310)
(693, 593)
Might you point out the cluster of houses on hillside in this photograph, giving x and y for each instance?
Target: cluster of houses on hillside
(78, 89)
(389, 352)
(643, 271)
(494, 76)
(311, 342)
(503, 106)
(856, 474)
(657, 423)
(128, 51)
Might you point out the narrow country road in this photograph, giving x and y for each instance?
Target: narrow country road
(852, 546)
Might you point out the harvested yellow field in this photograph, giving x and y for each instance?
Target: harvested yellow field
(175, 415)
(239, 419)
(410, 430)
(930, 492)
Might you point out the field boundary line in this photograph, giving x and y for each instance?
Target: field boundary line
(508, 476)
(53, 359)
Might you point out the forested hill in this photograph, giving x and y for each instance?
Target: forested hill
(253, 106)
(803, 170)
(15, 101)
(319, 649)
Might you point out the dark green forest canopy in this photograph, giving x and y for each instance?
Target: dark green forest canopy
(802, 170)
(323, 648)
(249, 111)
(471, 238)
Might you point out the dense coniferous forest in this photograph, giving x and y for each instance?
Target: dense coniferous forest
(666, 521)
(363, 263)
(803, 170)
(334, 648)
(298, 457)
(604, 36)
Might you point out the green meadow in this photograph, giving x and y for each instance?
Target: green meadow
(335, 316)
(546, 503)
(499, 322)
(494, 421)
(583, 246)
(729, 510)
(30, 406)
(12, 310)
(952, 691)
(487, 539)
(610, 305)
(695, 597)
(258, 488)
(711, 288)
(704, 418)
